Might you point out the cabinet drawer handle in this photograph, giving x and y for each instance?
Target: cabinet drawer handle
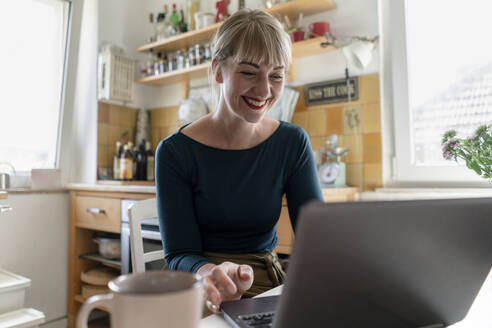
(94, 210)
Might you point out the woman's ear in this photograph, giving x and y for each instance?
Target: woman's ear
(218, 73)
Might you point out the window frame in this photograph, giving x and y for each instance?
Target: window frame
(22, 177)
(403, 173)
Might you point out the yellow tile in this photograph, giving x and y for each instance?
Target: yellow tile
(369, 88)
(317, 143)
(317, 122)
(301, 104)
(102, 155)
(103, 113)
(371, 118)
(334, 121)
(127, 117)
(114, 135)
(373, 176)
(354, 175)
(352, 118)
(355, 151)
(171, 116)
(103, 134)
(126, 134)
(114, 115)
(301, 119)
(372, 148)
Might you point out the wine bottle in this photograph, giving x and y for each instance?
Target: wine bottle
(150, 162)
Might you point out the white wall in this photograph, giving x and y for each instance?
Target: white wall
(34, 244)
(125, 23)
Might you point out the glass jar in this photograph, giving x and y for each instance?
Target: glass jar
(171, 62)
(207, 53)
(180, 60)
(191, 56)
(198, 54)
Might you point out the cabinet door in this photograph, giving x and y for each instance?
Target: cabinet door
(285, 233)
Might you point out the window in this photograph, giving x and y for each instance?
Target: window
(442, 79)
(34, 42)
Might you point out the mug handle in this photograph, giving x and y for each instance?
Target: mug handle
(105, 300)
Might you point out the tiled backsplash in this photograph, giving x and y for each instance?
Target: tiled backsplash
(321, 121)
(115, 123)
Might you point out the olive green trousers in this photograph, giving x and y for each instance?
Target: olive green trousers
(267, 269)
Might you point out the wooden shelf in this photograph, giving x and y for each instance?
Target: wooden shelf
(185, 40)
(290, 9)
(310, 47)
(195, 72)
(99, 258)
(307, 7)
(182, 41)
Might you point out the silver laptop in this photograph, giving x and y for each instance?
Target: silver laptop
(379, 264)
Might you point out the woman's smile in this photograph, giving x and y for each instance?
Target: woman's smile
(254, 103)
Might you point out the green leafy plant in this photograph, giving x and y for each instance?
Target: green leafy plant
(475, 150)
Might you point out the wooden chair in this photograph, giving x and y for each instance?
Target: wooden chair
(138, 212)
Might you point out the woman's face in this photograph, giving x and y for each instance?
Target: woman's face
(249, 89)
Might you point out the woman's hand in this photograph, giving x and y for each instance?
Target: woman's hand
(225, 282)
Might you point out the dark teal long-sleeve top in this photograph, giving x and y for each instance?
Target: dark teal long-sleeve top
(229, 201)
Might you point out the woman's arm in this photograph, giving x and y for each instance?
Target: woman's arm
(181, 237)
(303, 184)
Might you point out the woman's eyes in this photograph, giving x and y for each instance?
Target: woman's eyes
(275, 77)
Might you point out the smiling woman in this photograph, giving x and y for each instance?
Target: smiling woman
(220, 180)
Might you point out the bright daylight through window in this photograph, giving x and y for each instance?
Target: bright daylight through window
(449, 57)
(34, 35)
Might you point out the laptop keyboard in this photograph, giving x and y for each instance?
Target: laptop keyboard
(258, 320)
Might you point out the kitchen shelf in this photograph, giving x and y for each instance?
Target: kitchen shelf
(290, 9)
(125, 183)
(185, 40)
(194, 72)
(99, 258)
(309, 47)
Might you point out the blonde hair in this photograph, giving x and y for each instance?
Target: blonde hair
(254, 36)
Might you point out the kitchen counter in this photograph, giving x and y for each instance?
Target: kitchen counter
(143, 189)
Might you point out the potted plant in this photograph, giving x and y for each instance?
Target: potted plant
(475, 150)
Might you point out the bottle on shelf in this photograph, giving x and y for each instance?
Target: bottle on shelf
(161, 27)
(150, 162)
(152, 28)
(157, 64)
(168, 26)
(116, 161)
(134, 166)
(175, 18)
(183, 27)
(150, 63)
(126, 164)
(141, 162)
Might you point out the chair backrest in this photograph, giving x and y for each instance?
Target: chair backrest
(137, 212)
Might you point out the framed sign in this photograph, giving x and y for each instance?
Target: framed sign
(330, 92)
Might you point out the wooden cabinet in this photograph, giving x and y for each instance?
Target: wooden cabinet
(285, 232)
(92, 209)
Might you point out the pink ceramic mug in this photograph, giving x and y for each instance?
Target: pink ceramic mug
(319, 28)
(152, 299)
(296, 36)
